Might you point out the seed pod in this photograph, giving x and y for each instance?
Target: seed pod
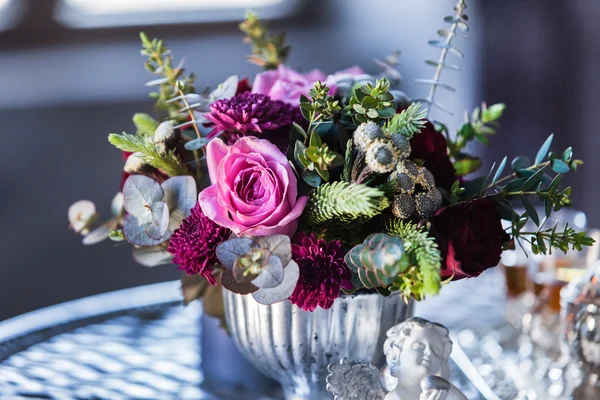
(427, 203)
(409, 168)
(402, 144)
(382, 156)
(427, 179)
(366, 134)
(403, 183)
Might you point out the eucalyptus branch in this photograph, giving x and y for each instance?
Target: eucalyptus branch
(198, 136)
(458, 22)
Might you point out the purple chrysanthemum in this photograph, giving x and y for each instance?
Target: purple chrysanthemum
(248, 114)
(323, 272)
(194, 243)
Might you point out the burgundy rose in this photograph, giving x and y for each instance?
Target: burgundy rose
(470, 237)
(430, 146)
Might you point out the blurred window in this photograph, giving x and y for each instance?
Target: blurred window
(108, 13)
(11, 12)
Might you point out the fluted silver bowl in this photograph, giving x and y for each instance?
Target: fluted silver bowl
(294, 347)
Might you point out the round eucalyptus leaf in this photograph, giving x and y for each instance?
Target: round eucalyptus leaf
(228, 281)
(196, 144)
(180, 194)
(160, 220)
(139, 193)
(152, 256)
(226, 89)
(271, 274)
(278, 245)
(228, 251)
(80, 213)
(116, 205)
(99, 234)
(136, 234)
(291, 273)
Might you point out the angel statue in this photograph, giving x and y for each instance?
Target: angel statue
(416, 352)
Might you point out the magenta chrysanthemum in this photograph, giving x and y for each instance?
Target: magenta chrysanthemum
(194, 243)
(248, 114)
(323, 272)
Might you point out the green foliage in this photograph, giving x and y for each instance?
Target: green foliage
(482, 123)
(541, 181)
(458, 25)
(268, 50)
(378, 260)
(171, 79)
(168, 163)
(319, 106)
(423, 278)
(317, 157)
(409, 122)
(372, 103)
(345, 202)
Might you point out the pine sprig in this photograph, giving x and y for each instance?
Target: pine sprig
(268, 50)
(409, 122)
(168, 162)
(424, 277)
(458, 23)
(344, 202)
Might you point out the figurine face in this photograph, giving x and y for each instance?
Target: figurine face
(422, 354)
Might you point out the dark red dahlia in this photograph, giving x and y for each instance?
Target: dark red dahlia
(248, 114)
(194, 243)
(323, 272)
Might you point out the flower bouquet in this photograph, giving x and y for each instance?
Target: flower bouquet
(302, 192)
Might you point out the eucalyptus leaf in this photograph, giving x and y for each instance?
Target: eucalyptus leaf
(159, 224)
(228, 251)
(226, 89)
(278, 245)
(567, 154)
(530, 210)
(520, 162)
(543, 151)
(228, 281)
(116, 205)
(291, 273)
(323, 128)
(559, 166)
(499, 171)
(514, 184)
(152, 256)
(311, 177)
(99, 234)
(196, 144)
(299, 130)
(271, 274)
(139, 193)
(80, 213)
(506, 211)
(180, 194)
(533, 180)
(135, 232)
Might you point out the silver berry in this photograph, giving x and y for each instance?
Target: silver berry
(403, 183)
(427, 203)
(403, 206)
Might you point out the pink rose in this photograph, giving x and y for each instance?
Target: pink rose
(287, 85)
(254, 190)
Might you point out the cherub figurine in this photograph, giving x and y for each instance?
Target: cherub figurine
(416, 352)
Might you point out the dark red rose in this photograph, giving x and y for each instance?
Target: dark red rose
(469, 236)
(430, 146)
(243, 86)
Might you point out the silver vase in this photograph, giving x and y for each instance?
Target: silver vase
(295, 347)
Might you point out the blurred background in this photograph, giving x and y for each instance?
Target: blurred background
(71, 72)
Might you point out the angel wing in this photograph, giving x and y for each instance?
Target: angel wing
(353, 380)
